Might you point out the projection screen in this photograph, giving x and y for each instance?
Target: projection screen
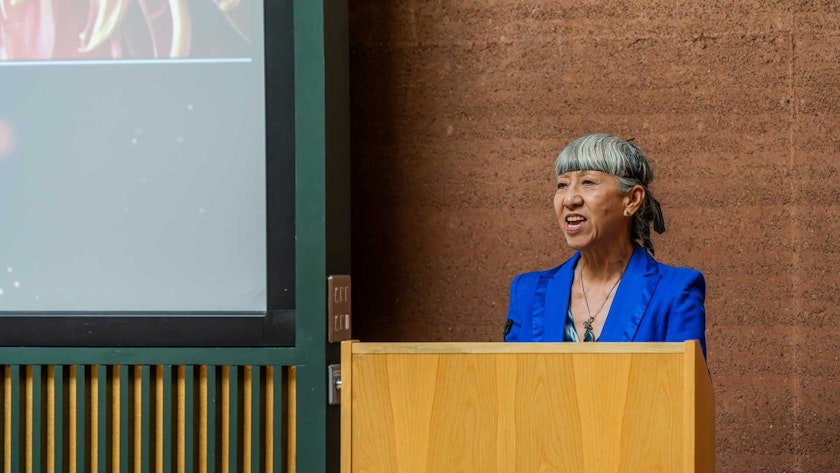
(133, 158)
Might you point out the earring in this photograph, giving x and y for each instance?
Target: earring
(626, 213)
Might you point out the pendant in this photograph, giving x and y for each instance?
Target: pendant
(588, 336)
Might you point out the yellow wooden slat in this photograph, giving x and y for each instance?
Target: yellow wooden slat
(202, 419)
(28, 420)
(94, 416)
(268, 444)
(115, 418)
(138, 419)
(291, 420)
(246, 419)
(159, 419)
(72, 412)
(225, 433)
(181, 420)
(7, 419)
(51, 419)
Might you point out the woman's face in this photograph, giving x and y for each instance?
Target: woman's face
(591, 209)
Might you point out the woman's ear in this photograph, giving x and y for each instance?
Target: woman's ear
(633, 200)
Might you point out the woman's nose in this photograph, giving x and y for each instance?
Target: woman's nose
(572, 199)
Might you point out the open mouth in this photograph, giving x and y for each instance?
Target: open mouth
(574, 222)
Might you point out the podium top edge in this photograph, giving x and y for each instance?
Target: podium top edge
(534, 348)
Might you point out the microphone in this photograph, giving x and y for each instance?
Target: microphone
(506, 330)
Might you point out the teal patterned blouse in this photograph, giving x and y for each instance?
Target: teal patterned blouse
(570, 333)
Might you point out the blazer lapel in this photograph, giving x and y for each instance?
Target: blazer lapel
(631, 298)
(557, 294)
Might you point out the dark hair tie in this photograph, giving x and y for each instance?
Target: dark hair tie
(658, 219)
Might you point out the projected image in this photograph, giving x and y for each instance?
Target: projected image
(43, 30)
(131, 181)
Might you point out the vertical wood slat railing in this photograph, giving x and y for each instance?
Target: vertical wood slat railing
(142, 419)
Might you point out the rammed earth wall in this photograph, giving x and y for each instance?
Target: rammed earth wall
(459, 108)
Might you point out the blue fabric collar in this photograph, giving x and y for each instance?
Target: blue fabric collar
(632, 297)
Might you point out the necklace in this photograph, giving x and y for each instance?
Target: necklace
(589, 336)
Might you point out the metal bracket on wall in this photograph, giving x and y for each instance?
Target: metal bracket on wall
(334, 385)
(338, 308)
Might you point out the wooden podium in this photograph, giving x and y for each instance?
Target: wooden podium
(526, 407)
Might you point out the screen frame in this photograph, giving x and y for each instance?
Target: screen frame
(274, 327)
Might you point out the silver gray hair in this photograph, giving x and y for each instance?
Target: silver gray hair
(624, 160)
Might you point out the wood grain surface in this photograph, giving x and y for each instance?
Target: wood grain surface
(438, 408)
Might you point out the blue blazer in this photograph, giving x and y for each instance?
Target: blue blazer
(653, 303)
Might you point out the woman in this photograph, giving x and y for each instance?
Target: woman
(611, 290)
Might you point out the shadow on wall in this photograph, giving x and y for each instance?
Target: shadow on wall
(375, 193)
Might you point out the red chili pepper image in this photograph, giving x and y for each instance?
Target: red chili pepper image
(124, 29)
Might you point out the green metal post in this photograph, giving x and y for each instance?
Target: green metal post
(310, 215)
(322, 212)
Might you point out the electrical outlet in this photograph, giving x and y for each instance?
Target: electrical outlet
(339, 311)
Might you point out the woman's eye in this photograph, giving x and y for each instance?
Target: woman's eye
(562, 185)
(588, 182)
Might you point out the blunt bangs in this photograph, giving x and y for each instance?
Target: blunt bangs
(604, 153)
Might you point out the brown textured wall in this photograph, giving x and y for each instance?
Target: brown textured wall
(459, 108)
